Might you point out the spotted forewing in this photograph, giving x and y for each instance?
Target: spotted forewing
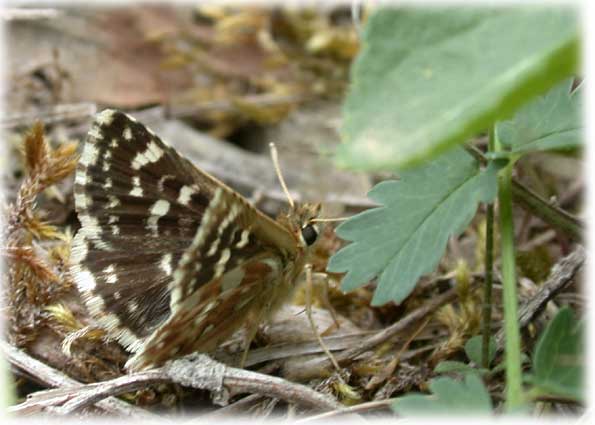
(168, 259)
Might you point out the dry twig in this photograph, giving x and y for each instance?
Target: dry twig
(561, 275)
(47, 375)
(197, 371)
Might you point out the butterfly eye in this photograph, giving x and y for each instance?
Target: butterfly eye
(309, 234)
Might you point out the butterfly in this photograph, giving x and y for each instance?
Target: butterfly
(168, 259)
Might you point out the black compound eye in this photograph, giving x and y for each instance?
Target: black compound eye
(309, 234)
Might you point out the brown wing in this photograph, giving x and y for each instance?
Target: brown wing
(216, 310)
(141, 207)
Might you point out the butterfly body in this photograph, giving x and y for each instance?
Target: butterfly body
(169, 260)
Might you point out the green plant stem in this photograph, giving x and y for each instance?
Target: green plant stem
(536, 205)
(489, 275)
(512, 346)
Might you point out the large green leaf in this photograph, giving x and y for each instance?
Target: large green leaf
(449, 396)
(558, 363)
(553, 121)
(429, 78)
(406, 237)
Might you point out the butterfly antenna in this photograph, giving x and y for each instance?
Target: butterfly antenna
(275, 157)
(326, 220)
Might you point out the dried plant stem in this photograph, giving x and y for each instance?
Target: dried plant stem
(47, 375)
(197, 371)
(562, 274)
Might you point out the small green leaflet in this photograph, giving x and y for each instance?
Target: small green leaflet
(553, 121)
(405, 238)
(558, 363)
(449, 396)
(473, 349)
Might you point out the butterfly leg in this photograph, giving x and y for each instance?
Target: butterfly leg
(325, 299)
(309, 285)
(253, 324)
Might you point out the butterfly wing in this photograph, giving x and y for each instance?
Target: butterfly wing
(240, 297)
(142, 207)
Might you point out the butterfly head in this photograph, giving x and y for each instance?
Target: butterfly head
(299, 221)
(308, 230)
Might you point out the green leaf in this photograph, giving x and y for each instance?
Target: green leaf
(553, 121)
(449, 366)
(473, 349)
(449, 396)
(558, 363)
(406, 237)
(429, 78)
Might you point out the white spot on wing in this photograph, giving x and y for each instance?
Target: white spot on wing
(243, 239)
(81, 178)
(136, 189)
(220, 267)
(90, 153)
(127, 133)
(158, 210)
(85, 280)
(105, 117)
(110, 274)
(90, 226)
(94, 133)
(185, 193)
(213, 249)
(152, 154)
(165, 264)
(113, 201)
(81, 201)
